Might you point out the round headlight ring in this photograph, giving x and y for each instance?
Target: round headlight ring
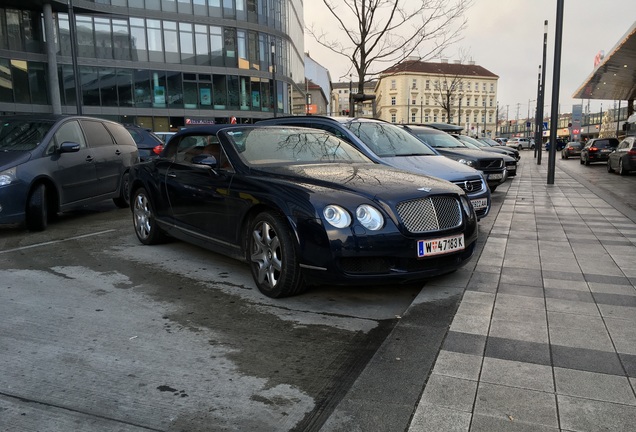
(369, 217)
(337, 216)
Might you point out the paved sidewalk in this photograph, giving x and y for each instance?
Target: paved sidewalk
(544, 338)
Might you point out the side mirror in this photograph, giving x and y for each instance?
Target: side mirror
(69, 147)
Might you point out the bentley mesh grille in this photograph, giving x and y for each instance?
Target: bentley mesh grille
(430, 214)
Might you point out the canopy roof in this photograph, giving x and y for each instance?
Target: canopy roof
(615, 77)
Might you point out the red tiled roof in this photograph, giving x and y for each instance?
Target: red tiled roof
(417, 66)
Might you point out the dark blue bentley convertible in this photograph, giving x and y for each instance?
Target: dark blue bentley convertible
(301, 207)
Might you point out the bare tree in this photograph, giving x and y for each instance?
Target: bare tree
(376, 34)
(448, 88)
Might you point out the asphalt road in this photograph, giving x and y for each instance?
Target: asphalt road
(100, 333)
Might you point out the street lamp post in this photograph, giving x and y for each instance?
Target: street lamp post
(275, 90)
(556, 81)
(538, 146)
(421, 109)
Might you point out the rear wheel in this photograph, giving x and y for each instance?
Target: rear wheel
(146, 228)
(123, 200)
(621, 168)
(273, 258)
(587, 161)
(564, 155)
(37, 212)
(609, 167)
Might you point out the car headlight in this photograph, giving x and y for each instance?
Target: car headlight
(337, 216)
(466, 162)
(369, 217)
(8, 176)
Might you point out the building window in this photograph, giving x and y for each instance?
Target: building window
(483, 87)
(392, 100)
(427, 100)
(467, 101)
(393, 85)
(428, 84)
(413, 101)
(491, 101)
(393, 118)
(414, 85)
(468, 85)
(434, 117)
(426, 118)
(492, 87)
(413, 118)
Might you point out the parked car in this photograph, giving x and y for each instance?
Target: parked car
(597, 150)
(623, 159)
(520, 143)
(501, 140)
(509, 159)
(301, 207)
(391, 145)
(148, 144)
(51, 164)
(164, 136)
(490, 164)
(494, 144)
(560, 144)
(573, 148)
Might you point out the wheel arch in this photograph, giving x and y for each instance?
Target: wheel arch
(271, 208)
(52, 193)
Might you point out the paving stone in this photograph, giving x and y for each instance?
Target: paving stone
(578, 414)
(517, 374)
(450, 392)
(590, 385)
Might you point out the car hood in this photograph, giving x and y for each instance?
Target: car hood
(9, 159)
(367, 179)
(434, 165)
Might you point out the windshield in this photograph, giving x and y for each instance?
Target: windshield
(437, 139)
(22, 134)
(471, 142)
(387, 140)
(267, 146)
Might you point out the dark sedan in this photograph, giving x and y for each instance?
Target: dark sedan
(301, 207)
(51, 164)
(597, 150)
(573, 148)
(623, 159)
(492, 165)
(509, 160)
(149, 144)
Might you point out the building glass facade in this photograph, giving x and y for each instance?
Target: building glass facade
(158, 63)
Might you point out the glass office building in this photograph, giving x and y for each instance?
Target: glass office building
(161, 64)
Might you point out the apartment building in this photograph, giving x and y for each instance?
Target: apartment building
(449, 92)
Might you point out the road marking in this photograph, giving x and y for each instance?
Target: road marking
(56, 241)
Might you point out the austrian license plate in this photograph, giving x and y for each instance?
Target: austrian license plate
(495, 176)
(479, 203)
(426, 248)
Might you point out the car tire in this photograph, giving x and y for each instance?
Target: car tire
(146, 228)
(563, 156)
(609, 167)
(587, 161)
(272, 257)
(37, 212)
(532, 147)
(493, 188)
(581, 161)
(621, 168)
(520, 147)
(123, 200)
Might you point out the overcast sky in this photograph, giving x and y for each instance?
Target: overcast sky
(506, 37)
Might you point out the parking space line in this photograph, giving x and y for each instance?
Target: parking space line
(56, 241)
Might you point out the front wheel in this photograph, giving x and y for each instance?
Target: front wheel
(37, 212)
(146, 228)
(587, 161)
(493, 188)
(621, 168)
(272, 257)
